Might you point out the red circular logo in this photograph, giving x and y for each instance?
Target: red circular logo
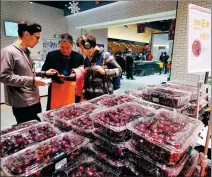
(196, 48)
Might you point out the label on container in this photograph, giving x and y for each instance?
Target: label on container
(60, 173)
(155, 99)
(61, 164)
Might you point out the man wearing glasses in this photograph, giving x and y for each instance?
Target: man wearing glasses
(18, 74)
(62, 60)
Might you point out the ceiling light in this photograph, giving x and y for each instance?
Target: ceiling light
(30, 2)
(66, 5)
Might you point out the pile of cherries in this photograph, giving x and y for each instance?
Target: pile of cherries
(25, 161)
(99, 99)
(162, 129)
(166, 97)
(116, 101)
(89, 170)
(16, 142)
(122, 115)
(18, 127)
(69, 113)
(83, 123)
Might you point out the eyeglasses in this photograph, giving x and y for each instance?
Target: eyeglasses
(37, 37)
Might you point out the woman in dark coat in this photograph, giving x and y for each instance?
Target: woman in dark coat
(100, 68)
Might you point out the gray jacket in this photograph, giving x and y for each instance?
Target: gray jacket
(17, 75)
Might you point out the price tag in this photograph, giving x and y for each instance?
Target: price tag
(155, 99)
(61, 164)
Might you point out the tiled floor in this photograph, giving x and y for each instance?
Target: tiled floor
(7, 118)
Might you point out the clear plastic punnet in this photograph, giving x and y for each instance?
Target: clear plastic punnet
(152, 105)
(18, 127)
(185, 86)
(117, 100)
(107, 158)
(166, 136)
(117, 150)
(135, 93)
(145, 163)
(70, 112)
(20, 139)
(112, 122)
(90, 167)
(48, 116)
(45, 157)
(190, 165)
(167, 97)
(83, 125)
(100, 98)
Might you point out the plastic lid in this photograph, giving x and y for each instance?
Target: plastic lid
(117, 117)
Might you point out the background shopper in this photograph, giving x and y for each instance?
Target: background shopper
(19, 76)
(129, 64)
(100, 68)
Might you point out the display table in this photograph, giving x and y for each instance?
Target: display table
(146, 68)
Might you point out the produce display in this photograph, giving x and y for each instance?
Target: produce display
(112, 121)
(16, 141)
(116, 100)
(190, 165)
(192, 91)
(152, 105)
(115, 149)
(90, 167)
(140, 133)
(144, 162)
(18, 127)
(166, 136)
(100, 98)
(35, 158)
(135, 93)
(101, 154)
(166, 97)
(83, 125)
(70, 112)
(48, 116)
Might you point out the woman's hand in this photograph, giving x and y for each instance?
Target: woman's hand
(99, 69)
(51, 72)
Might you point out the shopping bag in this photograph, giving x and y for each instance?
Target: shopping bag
(160, 64)
(62, 94)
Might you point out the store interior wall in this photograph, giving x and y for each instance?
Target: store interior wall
(179, 60)
(51, 19)
(115, 11)
(130, 33)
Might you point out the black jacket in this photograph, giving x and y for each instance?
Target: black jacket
(129, 61)
(55, 60)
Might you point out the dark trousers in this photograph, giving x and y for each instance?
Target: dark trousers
(129, 73)
(28, 113)
(165, 68)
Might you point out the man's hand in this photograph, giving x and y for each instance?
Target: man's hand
(99, 69)
(39, 82)
(51, 72)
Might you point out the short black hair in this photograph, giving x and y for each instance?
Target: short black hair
(66, 37)
(87, 38)
(29, 26)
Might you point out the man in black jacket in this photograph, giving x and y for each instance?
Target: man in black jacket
(129, 64)
(63, 60)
